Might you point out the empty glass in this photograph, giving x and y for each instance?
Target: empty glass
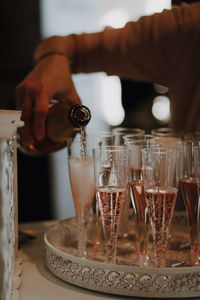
(111, 180)
(167, 137)
(119, 132)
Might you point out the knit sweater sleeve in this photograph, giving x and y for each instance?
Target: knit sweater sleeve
(147, 50)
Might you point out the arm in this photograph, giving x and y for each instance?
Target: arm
(145, 50)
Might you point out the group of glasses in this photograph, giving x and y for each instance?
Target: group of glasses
(151, 171)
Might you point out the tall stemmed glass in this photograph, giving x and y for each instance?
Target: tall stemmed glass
(103, 138)
(81, 173)
(189, 182)
(111, 178)
(197, 173)
(170, 138)
(160, 171)
(119, 133)
(136, 144)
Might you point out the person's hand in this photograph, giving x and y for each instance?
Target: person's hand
(50, 79)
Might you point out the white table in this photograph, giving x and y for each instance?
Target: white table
(37, 282)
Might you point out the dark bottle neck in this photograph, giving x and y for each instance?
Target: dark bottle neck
(79, 115)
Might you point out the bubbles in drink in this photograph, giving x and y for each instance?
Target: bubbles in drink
(160, 202)
(110, 201)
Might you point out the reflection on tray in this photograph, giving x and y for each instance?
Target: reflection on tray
(177, 280)
(64, 239)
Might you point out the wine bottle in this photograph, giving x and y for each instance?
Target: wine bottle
(62, 123)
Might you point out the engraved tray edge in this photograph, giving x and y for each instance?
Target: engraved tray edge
(181, 282)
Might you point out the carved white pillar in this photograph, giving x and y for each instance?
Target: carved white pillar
(9, 121)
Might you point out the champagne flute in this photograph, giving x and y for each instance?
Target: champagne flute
(119, 133)
(189, 182)
(136, 144)
(160, 175)
(103, 138)
(111, 179)
(81, 174)
(170, 138)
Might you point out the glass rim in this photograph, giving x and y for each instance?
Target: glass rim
(111, 147)
(192, 135)
(125, 129)
(142, 137)
(160, 150)
(167, 132)
(105, 133)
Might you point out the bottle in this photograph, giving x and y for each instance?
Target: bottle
(62, 123)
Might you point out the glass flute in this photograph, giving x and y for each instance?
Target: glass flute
(189, 183)
(81, 174)
(170, 138)
(119, 133)
(197, 173)
(136, 184)
(103, 138)
(160, 175)
(111, 179)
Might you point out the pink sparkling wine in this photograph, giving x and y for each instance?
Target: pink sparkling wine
(140, 207)
(160, 202)
(110, 200)
(137, 190)
(191, 197)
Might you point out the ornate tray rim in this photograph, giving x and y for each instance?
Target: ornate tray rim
(181, 282)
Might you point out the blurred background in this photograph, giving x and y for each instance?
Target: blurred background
(43, 183)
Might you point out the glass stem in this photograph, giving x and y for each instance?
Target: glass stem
(82, 240)
(111, 250)
(195, 249)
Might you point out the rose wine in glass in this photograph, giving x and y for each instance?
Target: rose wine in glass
(161, 177)
(111, 200)
(140, 207)
(160, 202)
(136, 144)
(111, 178)
(191, 197)
(189, 184)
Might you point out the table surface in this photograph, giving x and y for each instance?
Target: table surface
(37, 282)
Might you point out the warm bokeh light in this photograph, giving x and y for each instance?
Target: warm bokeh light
(161, 108)
(113, 111)
(152, 6)
(115, 18)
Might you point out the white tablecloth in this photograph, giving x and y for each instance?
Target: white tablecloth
(37, 282)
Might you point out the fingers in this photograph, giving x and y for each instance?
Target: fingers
(50, 79)
(34, 105)
(70, 94)
(40, 112)
(19, 96)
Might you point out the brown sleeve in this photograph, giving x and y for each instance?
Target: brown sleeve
(145, 50)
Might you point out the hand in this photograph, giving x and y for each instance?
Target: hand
(50, 79)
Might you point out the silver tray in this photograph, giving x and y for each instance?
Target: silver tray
(178, 280)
